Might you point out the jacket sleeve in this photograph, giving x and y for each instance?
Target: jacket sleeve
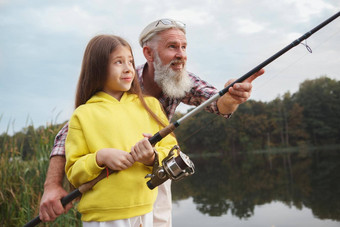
(81, 165)
(201, 92)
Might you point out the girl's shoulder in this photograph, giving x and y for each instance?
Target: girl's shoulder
(151, 100)
(81, 110)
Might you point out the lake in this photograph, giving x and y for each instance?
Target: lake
(265, 188)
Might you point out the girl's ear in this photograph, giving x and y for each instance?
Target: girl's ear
(148, 54)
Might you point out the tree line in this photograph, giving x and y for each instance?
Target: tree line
(311, 116)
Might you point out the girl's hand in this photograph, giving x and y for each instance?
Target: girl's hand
(143, 151)
(114, 159)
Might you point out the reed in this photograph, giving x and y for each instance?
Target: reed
(24, 159)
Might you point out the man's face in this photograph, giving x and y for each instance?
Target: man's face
(172, 46)
(169, 64)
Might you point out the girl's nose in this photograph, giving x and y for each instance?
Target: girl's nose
(128, 68)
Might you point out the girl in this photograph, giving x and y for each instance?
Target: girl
(106, 131)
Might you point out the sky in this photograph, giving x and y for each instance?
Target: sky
(42, 45)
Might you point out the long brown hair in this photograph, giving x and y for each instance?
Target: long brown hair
(94, 70)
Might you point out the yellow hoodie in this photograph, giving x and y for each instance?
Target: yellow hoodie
(105, 122)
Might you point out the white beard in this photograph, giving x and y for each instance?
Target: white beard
(173, 84)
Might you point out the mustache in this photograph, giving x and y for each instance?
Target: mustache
(177, 61)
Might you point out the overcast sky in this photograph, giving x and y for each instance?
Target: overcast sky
(42, 44)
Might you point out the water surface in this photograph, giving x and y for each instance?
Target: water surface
(274, 189)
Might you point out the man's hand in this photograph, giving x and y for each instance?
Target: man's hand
(50, 205)
(237, 94)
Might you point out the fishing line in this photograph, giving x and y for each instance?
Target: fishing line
(199, 129)
(309, 49)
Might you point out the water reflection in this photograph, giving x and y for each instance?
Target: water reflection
(235, 184)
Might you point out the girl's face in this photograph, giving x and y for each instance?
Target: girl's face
(120, 72)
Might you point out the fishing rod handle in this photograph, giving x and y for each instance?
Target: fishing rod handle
(64, 201)
(73, 195)
(69, 197)
(163, 133)
(33, 222)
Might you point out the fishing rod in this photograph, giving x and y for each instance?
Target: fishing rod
(182, 162)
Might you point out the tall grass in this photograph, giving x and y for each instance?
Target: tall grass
(24, 159)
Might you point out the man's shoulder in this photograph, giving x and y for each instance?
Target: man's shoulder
(199, 82)
(193, 76)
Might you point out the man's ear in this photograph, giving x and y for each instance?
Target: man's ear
(148, 54)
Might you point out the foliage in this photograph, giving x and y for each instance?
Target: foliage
(320, 100)
(24, 160)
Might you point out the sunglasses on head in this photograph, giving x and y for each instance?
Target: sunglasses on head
(168, 22)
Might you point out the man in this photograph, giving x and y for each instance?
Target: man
(163, 76)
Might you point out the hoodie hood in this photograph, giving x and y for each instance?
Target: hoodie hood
(104, 97)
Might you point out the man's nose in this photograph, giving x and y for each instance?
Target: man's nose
(180, 54)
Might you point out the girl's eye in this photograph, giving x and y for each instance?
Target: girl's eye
(118, 62)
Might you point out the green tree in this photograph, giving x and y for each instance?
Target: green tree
(320, 99)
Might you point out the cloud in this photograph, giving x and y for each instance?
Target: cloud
(306, 9)
(3, 2)
(42, 43)
(192, 17)
(72, 19)
(247, 26)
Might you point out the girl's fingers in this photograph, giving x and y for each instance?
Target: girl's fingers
(147, 135)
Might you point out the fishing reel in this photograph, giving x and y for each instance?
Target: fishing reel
(174, 168)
